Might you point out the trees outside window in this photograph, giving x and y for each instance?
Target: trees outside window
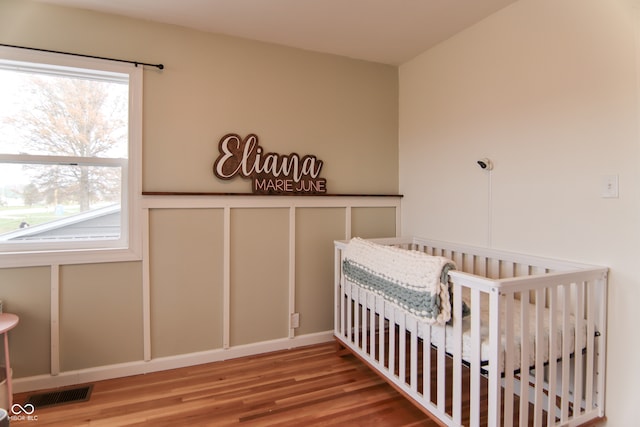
(67, 134)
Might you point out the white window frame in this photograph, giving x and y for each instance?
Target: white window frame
(129, 246)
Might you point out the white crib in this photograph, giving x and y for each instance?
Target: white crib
(478, 370)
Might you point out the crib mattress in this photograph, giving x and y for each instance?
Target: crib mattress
(561, 333)
(437, 332)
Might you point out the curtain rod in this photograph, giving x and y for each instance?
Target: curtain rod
(136, 63)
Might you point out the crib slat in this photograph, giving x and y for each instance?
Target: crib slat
(591, 295)
(457, 354)
(524, 358)
(458, 258)
(402, 349)
(600, 344)
(342, 308)
(349, 313)
(344, 301)
(356, 315)
(507, 269)
(441, 361)
(566, 355)
(577, 375)
(539, 365)
(381, 331)
(413, 368)
(479, 266)
(426, 363)
(553, 354)
(338, 297)
(467, 263)
(372, 326)
(392, 338)
(494, 268)
(364, 322)
(508, 361)
(475, 359)
(495, 355)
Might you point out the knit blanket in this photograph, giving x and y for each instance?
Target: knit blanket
(411, 280)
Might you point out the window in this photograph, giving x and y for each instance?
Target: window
(70, 144)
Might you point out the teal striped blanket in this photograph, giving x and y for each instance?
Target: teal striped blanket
(411, 280)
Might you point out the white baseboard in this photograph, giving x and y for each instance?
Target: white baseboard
(41, 382)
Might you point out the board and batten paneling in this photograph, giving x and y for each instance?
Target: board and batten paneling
(371, 222)
(316, 229)
(100, 321)
(259, 275)
(220, 277)
(27, 291)
(186, 275)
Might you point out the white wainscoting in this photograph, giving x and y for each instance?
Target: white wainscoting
(59, 378)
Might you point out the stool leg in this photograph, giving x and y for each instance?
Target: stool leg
(8, 368)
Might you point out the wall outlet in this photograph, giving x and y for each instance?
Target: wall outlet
(295, 320)
(609, 187)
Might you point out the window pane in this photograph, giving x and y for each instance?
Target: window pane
(59, 202)
(62, 115)
(70, 140)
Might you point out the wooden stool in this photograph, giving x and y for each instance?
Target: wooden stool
(8, 321)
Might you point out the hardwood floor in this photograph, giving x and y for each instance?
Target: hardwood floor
(306, 386)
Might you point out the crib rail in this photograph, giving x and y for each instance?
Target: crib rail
(504, 367)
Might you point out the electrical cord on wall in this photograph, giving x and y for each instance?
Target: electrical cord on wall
(487, 165)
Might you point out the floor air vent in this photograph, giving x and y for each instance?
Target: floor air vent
(61, 397)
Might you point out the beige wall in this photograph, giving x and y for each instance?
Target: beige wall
(27, 291)
(315, 228)
(186, 255)
(344, 111)
(100, 322)
(259, 261)
(339, 109)
(548, 90)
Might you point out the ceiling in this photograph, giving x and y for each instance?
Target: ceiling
(386, 31)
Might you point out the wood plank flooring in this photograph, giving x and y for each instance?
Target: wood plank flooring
(306, 386)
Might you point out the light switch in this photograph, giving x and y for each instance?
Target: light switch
(609, 187)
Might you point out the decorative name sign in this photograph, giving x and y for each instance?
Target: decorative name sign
(270, 173)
